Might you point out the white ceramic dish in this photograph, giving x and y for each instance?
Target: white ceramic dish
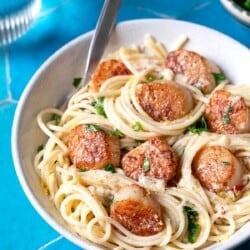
(53, 82)
(237, 11)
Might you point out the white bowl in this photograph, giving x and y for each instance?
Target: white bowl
(237, 11)
(53, 82)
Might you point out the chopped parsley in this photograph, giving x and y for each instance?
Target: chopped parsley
(152, 78)
(137, 126)
(115, 132)
(199, 87)
(91, 127)
(193, 226)
(183, 151)
(225, 163)
(96, 128)
(40, 148)
(199, 126)
(230, 109)
(146, 165)
(110, 168)
(112, 199)
(57, 119)
(77, 81)
(226, 118)
(83, 170)
(218, 77)
(108, 201)
(139, 141)
(98, 105)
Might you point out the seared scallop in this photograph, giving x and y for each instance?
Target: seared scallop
(106, 70)
(217, 168)
(135, 209)
(227, 113)
(90, 149)
(164, 100)
(197, 70)
(154, 158)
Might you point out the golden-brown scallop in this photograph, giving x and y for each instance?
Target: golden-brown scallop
(153, 158)
(197, 70)
(135, 209)
(217, 168)
(93, 149)
(106, 70)
(227, 113)
(164, 100)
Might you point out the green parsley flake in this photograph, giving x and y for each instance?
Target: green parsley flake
(226, 118)
(199, 87)
(225, 163)
(98, 105)
(77, 81)
(218, 77)
(193, 226)
(110, 168)
(199, 126)
(230, 109)
(137, 126)
(115, 132)
(83, 170)
(91, 127)
(57, 119)
(183, 151)
(40, 148)
(138, 142)
(112, 199)
(152, 78)
(95, 128)
(146, 165)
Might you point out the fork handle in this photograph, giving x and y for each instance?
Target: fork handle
(101, 36)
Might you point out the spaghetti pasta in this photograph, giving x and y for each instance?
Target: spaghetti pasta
(83, 198)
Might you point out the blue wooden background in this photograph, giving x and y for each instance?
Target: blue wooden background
(60, 21)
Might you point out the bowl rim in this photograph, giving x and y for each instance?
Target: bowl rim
(73, 238)
(237, 11)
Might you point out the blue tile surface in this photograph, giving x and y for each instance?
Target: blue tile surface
(59, 22)
(3, 81)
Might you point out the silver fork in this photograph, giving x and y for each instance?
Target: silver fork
(99, 40)
(103, 30)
